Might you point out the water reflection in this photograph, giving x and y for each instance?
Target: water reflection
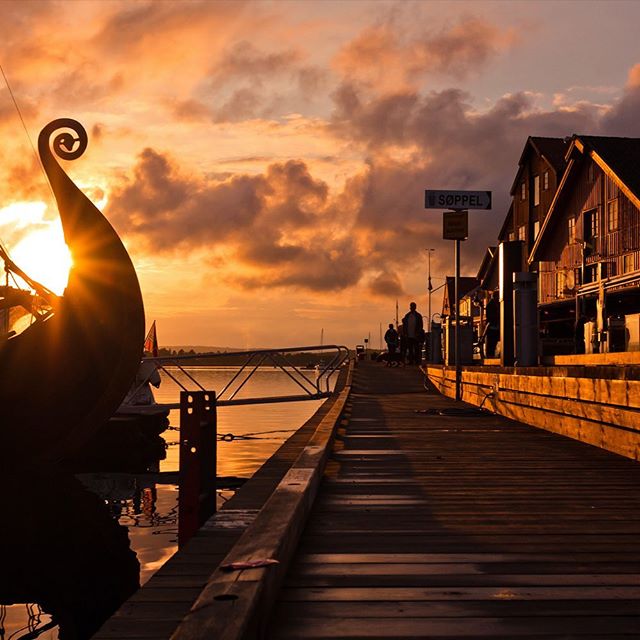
(64, 557)
(66, 562)
(147, 509)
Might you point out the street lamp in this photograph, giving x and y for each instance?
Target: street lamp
(429, 286)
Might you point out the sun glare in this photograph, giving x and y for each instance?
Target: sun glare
(44, 256)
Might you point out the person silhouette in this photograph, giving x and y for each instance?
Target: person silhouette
(414, 332)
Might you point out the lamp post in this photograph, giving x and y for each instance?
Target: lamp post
(429, 287)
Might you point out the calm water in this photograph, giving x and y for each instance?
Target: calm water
(272, 424)
(78, 546)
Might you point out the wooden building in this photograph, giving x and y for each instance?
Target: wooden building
(540, 170)
(468, 287)
(587, 252)
(470, 313)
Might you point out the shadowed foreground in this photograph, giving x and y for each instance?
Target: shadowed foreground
(462, 527)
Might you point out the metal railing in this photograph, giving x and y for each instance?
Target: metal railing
(314, 383)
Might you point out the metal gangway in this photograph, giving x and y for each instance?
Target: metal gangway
(314, 384)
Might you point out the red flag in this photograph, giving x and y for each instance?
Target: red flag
(151, 341)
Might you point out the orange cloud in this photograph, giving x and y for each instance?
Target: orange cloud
(383, 57)
(633, 79)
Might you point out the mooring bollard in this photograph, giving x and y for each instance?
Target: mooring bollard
(197, 491)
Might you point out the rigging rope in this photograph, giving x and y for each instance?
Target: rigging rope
(24, 126)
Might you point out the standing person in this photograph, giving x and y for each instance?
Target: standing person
(402, 341)
(391, 338)
(412, 323)
(492, 332)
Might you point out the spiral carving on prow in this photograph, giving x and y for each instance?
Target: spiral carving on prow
(64, 144)
(68, 144)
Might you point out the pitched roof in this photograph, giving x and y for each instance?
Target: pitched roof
(552, 150)
(465, 286)
(486, 264)
(622, 155)
(619, 158)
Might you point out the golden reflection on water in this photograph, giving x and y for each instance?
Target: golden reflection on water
(150, 512)
(26, 619)
(270, 424)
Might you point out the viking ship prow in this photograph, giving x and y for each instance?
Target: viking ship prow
(64, 376)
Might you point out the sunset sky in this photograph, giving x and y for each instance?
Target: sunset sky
(265, 162)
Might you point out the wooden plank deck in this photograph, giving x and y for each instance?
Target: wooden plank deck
(431, 526)
(158, 608)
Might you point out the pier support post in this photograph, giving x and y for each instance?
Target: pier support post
(197, 491)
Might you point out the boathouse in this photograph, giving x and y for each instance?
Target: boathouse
(588, 250)
(574, 220)
(541, 167)
(540, 170)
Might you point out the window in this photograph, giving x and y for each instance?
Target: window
(523, 192)
(560, 281)
(536, 191)
(613, 221)
(522, 232)
(590, 273)
(591, 224)
(590, 232)
(628, 262)
(545, 180)
(511, 237)
(572, 229)
(536, 229)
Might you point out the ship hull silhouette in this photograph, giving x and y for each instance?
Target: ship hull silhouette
(63, 377)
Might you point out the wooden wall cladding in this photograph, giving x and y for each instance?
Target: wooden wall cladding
(601, 412)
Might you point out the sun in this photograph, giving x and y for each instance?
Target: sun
(44, 256)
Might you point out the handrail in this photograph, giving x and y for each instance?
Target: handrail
(311, 389)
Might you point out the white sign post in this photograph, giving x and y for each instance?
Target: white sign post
(455, 226)
(457, 199)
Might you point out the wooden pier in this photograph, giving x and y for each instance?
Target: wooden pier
(429, 522)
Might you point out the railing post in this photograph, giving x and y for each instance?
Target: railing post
(197, 477)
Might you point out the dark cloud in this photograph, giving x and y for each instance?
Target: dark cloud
(284, 227)
(271, 221)
(445, 143)
(97, 131)
(247, 82)
(623, 119)
(462, 48)
(386, 285)
(85, 84)
(243, 104)
(311, 80)
(324, 264)
(244, 60)
(242, 159)
(167, 209)
(191, 110)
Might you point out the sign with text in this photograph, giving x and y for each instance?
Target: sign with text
(455, 225)
(457, 199)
